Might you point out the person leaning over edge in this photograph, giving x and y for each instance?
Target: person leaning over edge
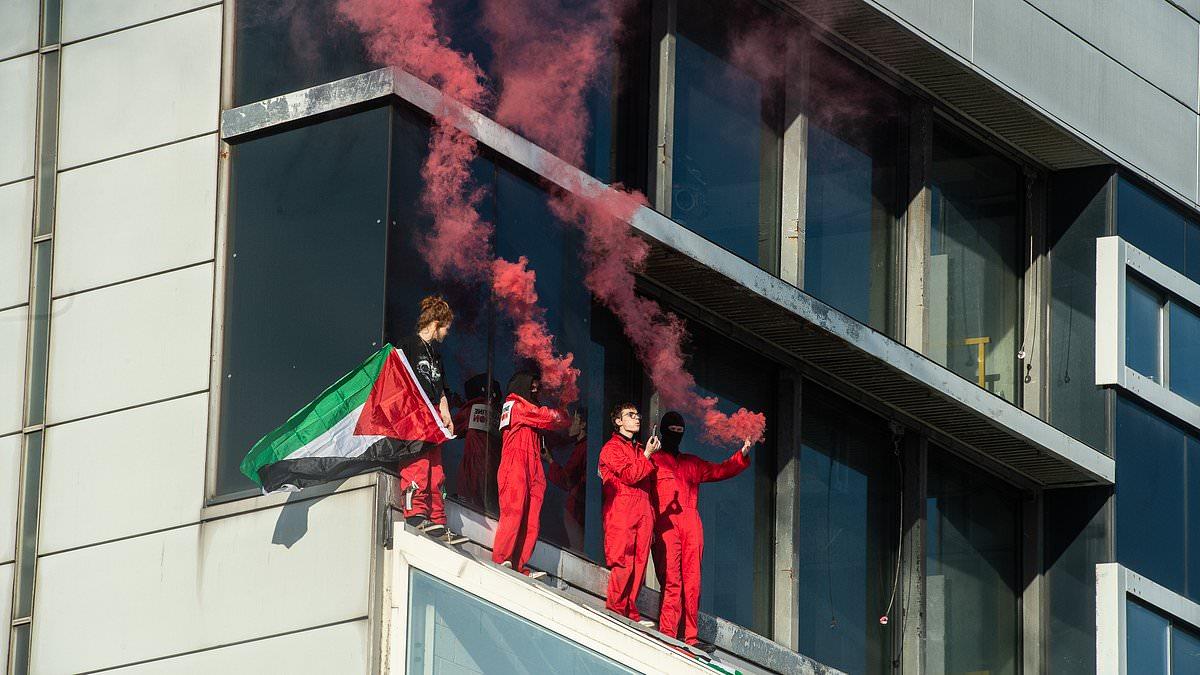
(626, 475)
(421, 475)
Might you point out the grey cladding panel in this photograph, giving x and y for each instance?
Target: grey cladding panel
(947, 21)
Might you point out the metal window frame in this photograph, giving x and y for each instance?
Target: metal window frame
(1115, 584)
(1115, 257)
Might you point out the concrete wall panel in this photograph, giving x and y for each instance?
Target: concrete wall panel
(85, 18)
(1098, 97)
(1151, 37)
(98, 471)
(947, 21)
(130, 344)
(229, 580)
(18, 27)
(141, 87)
(136, 215)
(16, 225)
(13, 334)
(333, 649)
(10, 483)
(18, 110)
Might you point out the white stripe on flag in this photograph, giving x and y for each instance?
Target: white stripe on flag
(338, 440)
(437, 415)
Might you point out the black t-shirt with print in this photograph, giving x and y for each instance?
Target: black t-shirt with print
(426, 361)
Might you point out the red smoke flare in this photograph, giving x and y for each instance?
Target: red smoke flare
(513, 286)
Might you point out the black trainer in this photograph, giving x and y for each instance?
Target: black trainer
(706, 647)
(451, 537)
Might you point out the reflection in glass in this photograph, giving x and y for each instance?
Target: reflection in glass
(971, 560)
(1076, 527)
(1185, 652)
(1185, 351)
(851, 195)
(1143, 329)
(726, 147)
(1146, 633)
(452, 631)
(305, 273)
(849, 514)
(1151, 225)
(974, 275)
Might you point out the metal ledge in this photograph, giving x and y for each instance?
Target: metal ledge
(772, 309)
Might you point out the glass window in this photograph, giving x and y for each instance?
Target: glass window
(1185, 652)
(849, 512)
(1185, 351)
(1146, 639)
(725, 153)
(1076, 526)
(1143, 329)
(1078, 215)
(974, 277)
(1150, 224)
(305, 273)
(851, 195)
(971, 582)
(1150, 495)
(452, 631)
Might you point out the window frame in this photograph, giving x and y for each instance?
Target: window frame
(1115, 586)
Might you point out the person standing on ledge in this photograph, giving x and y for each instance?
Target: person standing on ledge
(679, 534)
(627, 478)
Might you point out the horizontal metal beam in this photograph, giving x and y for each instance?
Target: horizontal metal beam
(306, 103)
(784, 315)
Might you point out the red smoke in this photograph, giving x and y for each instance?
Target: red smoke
(513, 286)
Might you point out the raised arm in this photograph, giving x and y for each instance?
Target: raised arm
(708, 472)
(539, 417)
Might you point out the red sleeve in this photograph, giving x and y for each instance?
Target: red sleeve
(539, 417)
(557, 475)
(625, 465)
(708, 472)
(578, 457)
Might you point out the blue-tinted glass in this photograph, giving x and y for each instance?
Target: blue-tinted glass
(724, 146)
(1150, 502)
(974, 281)
(1150, 225)
(452, 631)
(1185, 351)
(851, 193)
(1145, 640)
(971, 571)
(305, 273)
(848, 511)
(1193, 523)
(1143, 329)
(1192, 269)
(1075, 522)
(1185, 652)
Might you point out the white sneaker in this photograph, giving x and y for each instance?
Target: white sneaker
(507, 563)
(433, 529)
(536, 574)
(647, 623)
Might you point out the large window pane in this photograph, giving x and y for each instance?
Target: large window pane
(1185, 652)
(851, 195)
(1077, 533)
(1143, 329)
(453, 632)
(305, 273)
(726, 143)
(971, 584)
(1146, 633)
(974, 277)
(1150, 224)
(1185, 351)
(849, 515)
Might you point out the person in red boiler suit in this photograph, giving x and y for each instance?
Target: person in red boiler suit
(679, 534)
(627, 478)
(521, 480)
(571, 478)
(476, 419)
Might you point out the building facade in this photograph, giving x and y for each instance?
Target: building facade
(951, 249)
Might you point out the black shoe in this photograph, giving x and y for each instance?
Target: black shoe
(705, 647)
(433, 529)
(451, 537)
(417, 522)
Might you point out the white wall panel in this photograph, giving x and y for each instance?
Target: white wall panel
(98, 473)
(18, 26)
(333, 649)
(136, 215)
(10, 483)
(18, 110)
(6, 579)
(140, 87)
(84, 18)
(204, 586)
(16, 225)
(947, 21)
(13, 332)
(131, 343)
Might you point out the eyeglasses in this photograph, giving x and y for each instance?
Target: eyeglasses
(632, 415)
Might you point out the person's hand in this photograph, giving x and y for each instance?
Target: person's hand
(448, 421)
(652, 446)
(746, 446)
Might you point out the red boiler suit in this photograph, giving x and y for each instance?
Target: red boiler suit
(627, 478)
(521, 480)
(473, 421)
(570, 479)
(421, 480)
(679, 544)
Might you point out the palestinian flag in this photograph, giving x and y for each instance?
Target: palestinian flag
(375, 415)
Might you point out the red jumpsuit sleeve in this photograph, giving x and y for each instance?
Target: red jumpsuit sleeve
(625, 464)
(539, 417)
(557, 475)
(708, 472)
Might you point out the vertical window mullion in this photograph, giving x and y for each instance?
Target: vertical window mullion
(661, 173)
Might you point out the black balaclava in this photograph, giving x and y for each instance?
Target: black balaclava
(521, 384)
(476, 387)
(671, 439)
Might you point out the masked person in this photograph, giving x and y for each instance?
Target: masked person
(421, 476)
(476, 419)
(627, 479)
(520, 477)
(679, 534)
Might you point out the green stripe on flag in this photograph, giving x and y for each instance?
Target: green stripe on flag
(332, 406)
